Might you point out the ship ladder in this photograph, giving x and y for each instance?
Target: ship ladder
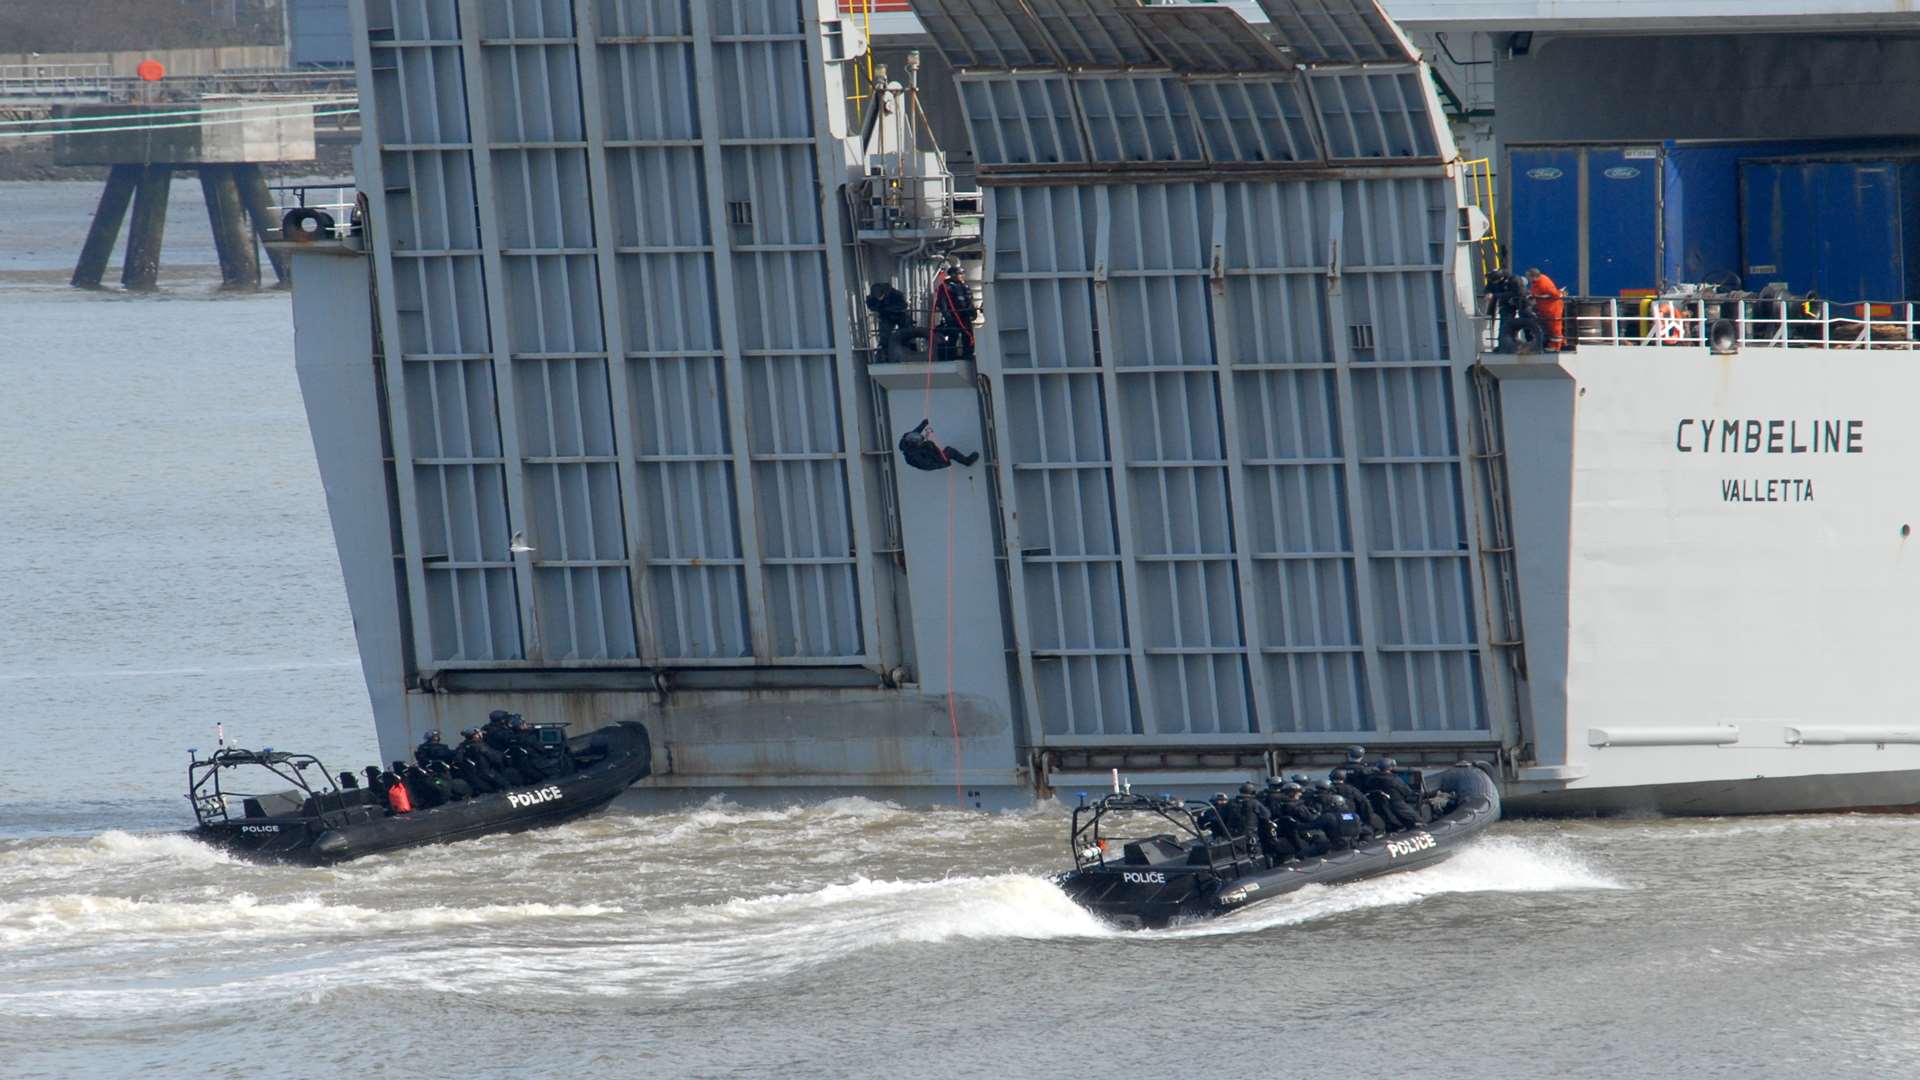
(1493, 467)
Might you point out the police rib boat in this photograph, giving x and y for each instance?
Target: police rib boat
(307, 818)
(1190, 866)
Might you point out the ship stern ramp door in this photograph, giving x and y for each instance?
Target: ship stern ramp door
(618, 386)
(1229, 349)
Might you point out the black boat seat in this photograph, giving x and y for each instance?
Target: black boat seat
(1153, 851)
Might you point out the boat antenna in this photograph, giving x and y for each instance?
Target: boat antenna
(1116, 781)
(220, 732)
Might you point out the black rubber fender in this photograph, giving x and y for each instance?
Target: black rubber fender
(304, 225)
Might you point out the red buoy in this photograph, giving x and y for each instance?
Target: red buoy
(151, 70)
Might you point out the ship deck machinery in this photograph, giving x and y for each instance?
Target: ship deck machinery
(611, 440)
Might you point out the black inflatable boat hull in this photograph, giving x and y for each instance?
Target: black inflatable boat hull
(368, 831)
(1154, 896)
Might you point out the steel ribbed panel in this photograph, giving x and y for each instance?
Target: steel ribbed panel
(604, 268)
(1229, 411)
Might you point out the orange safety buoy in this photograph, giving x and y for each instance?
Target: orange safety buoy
(151, 70)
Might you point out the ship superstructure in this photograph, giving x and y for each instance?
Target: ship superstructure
(613, 438)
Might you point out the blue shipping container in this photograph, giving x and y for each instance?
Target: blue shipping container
(1700, 205)
(1623, 219)
(1545, 215)
(1846, 230)
(1587, 215)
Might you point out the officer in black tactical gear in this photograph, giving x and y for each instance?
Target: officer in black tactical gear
(1285, 828)
(1337, 817)
(953, 303)
(431, 749)
(1256, 819)
(922, 452)
(1305, 818)
(890, 314)
(442, 774)
(483, 763)
(426, 791)
(1391, 796)
(1371, 823)
(470, 764)
(1221, 822)
(1508, 300)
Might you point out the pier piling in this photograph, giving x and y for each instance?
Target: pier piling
(106, 226)
(233, 241)
(259, 203)
(142, 270)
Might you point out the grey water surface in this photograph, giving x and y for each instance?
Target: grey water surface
(168, 565)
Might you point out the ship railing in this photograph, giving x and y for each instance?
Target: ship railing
(338, 200)
(54, 80)
(1722, 324)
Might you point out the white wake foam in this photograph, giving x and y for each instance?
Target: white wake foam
(1490, 864)
(244, 915)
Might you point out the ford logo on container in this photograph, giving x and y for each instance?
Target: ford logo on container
(1621, 172)
(1548, 173)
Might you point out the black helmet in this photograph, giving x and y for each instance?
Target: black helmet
(433, 736)
(497, 715)
(957, 270)
(1274, 781)
(1249, 789)
(1389, 764)
(1299, 778)
(1338, 775)
(1322, 785)
(1290, 789)
(469, 732)
(1356, 753)
(517, 722)
(1219, 797)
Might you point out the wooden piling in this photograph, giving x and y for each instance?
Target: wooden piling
(148, 228)
(259, 203)
(106, 226)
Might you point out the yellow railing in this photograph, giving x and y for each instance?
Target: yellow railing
(862, 72)
(1479, 176)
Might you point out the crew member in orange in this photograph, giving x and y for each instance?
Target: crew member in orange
(1547, 303)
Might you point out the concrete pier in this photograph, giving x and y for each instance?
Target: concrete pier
(225, 139)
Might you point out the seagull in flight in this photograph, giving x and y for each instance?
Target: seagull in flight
(518, 545)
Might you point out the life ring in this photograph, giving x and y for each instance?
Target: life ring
(1669, 324)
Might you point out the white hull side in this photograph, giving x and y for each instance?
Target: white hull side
(1741, 619)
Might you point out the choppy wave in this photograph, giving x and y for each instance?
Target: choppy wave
(43, 862)
(626, 904)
